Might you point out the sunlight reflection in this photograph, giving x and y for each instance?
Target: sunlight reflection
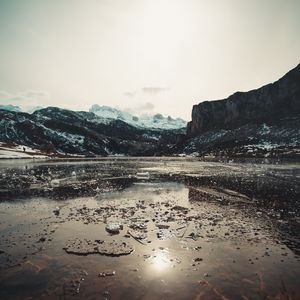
(160, 262)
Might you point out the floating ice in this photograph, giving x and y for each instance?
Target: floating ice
(114, 228)
(55, 182)
(143, 175)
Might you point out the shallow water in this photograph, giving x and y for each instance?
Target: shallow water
(210, 230)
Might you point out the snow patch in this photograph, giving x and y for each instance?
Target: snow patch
(17, 151)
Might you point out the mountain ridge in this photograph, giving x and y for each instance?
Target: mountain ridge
(261, 122)
(263, 104)
(157, 120)
(59, 130)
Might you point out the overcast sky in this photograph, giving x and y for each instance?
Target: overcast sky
(145, 55)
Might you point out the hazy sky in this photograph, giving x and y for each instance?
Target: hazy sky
(146, 55)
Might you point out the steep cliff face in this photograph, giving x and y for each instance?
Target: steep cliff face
(268, 104)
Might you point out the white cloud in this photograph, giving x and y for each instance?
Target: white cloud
(129, 94)
(145, 107)
(26, 99)
(140, 108)
(153, 90)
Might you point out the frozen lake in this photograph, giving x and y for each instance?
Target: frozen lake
(181, 229)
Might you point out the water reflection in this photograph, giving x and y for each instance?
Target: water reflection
(160, 262)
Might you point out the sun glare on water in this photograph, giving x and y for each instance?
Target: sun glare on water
(160, 262)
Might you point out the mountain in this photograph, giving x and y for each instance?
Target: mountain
(65, 131)
(10, 107)
(156, 121)
(264, 121)
(32, 109)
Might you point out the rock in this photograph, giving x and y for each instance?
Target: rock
(180, 208)
(162, 226)
(197, 259)
(140, 226)
(56, 210)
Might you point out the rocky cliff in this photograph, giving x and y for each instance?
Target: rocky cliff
(268, 104)
(260, 123)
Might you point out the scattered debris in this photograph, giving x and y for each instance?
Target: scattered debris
(138, 236)
(105, 274)
(56, 210)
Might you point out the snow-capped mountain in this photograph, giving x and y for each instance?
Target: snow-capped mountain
(57, 130)
(156, 121)
(10, 107)
(107, 114)
(30, 109)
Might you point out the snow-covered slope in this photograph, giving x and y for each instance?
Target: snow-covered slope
(145, 121)
(19, 151)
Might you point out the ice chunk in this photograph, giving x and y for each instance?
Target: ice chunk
(55, 182)
(143, 175)
(113, 228)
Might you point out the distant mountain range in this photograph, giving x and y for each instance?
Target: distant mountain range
(59, 130)
(16, 108)
(260, 123)
(157, 121)
(10, 107)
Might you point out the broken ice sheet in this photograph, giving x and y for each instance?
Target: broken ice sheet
(109, 248)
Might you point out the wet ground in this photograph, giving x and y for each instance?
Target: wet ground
(149, 229)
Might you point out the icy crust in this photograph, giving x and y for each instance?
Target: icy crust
(86, 247)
